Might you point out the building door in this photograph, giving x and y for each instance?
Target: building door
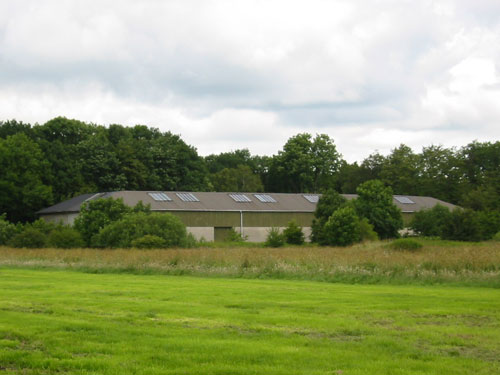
(221, 233)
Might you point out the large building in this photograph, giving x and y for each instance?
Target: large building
(211, 215)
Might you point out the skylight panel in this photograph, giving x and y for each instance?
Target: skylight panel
(242, 198)
(265, 198)
(312, 198)
(187, 197)
(404, 200)
(160, 197)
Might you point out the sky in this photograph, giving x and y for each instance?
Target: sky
(232, 74)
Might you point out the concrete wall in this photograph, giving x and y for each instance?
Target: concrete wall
(259, 234)
(207, 233)
(66, 219)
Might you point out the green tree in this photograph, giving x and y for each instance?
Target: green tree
(431, 222)
(305, 164)
(96, 214)
(293, 233)
(23, 188)
(329, 202)
(342, 228)
(134, 226)
(400, 170)
(374, 202)
(239, 179)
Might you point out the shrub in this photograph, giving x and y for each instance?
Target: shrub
(29, 238)
(431, 222)
(496, 237)
(274, 238)
(149, 241)
(366, 230)
(7, 230)
(293, 233)
(65, 238)
(327, 205)
(132, 226)
(342, 228)
(464, 225)
(374, 202)
(96, 214)
(234, 236)
(405, 244)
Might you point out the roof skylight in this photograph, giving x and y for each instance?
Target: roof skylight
(160, 197)
(311, 198)
(242, 198)
(404, 200)
(187, 197)
(265, 198)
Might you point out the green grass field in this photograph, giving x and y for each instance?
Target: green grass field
(61, 321)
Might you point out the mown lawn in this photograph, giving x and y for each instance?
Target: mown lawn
(58, 321)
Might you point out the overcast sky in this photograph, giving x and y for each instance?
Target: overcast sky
(230, 74)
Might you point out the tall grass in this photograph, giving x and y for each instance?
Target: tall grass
(475, 264)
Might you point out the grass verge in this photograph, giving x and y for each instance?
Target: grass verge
(438, 262)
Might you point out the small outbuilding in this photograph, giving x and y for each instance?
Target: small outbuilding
(212, 215)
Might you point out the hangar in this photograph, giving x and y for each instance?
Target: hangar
(211, 215)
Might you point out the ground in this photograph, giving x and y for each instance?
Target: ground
(62, 321)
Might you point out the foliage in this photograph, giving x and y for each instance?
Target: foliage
(132, 226)
(366, 230)
(431, 222)
(65, 237)
(304, 165)
(149, 241)
(234, 236)
(328, 203)
(29, 238)
(405, 244)
(374, 202)
(293, 234)
(342, 228)
(96, 214)
(464, 225)
(23, 172)
(239, 179)
(7, 230)
(274, 238)
(496, 237)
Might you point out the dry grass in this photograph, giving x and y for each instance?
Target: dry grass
(437, 262)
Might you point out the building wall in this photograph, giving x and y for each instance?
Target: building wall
(66, 219)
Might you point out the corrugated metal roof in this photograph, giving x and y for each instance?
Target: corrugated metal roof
(211, 201)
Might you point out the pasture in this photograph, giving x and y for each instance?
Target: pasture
(66, 322)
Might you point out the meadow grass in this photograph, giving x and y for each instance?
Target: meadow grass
(473, 264)
(65, 322)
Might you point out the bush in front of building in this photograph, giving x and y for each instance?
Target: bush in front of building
(342, 228)
(329, 202)
(96, 214)
(375, 203)
(293, 234)
(366, 230)
(64, 237)
(431, 222)
(274, 238)
(29, 238)
(470, 225)
(132, 226)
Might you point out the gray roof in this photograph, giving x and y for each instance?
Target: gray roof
(211, 201)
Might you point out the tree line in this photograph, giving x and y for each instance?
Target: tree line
(44, 164)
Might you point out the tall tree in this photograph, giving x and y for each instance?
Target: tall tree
(23, 188)
(305, 164)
